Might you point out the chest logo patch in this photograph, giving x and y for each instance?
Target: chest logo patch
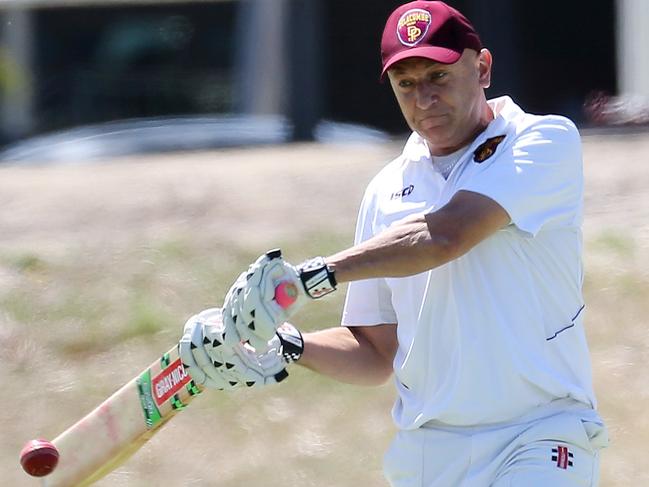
(413, 26)
(487, 149)
(404, 192)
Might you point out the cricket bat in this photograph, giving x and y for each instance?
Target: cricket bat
(107, 436)
(111, 433)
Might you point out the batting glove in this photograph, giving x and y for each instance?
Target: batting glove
(212, 363)
(210, 370)
(255, 304)
(254, 368)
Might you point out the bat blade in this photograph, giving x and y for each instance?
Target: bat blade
(117, 428)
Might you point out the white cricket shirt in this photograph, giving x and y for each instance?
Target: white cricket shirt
(498, 332)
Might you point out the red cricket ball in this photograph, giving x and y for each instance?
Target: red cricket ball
(285, 294)
(39, 457)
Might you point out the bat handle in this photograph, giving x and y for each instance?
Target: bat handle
(285, 294)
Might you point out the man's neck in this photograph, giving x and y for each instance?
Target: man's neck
(482, 124)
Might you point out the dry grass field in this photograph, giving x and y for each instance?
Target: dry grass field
(101, 264)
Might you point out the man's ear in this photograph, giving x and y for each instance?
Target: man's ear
(484, 66)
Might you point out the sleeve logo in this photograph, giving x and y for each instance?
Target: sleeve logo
(487, 149)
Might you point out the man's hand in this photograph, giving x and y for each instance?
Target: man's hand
(215, 364)
(211, 370)
(253, 309)
(255, 369)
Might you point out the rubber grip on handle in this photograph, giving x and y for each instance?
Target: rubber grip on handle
(285, 294)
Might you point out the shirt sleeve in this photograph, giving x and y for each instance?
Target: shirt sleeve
(368, 302)
(538, 179)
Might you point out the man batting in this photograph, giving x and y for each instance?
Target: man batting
(465, 282)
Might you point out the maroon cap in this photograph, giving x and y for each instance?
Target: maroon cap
(427, 29)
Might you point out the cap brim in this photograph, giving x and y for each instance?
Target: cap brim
(437, 54)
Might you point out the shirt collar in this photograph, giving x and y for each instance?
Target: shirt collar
(504, 109)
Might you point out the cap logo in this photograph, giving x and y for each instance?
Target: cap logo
(413, 26)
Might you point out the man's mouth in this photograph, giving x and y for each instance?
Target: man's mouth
(432, 120)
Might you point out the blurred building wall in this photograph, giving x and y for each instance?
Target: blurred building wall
(16, 73)
(633, 41)
(304, 59)
(261, 54)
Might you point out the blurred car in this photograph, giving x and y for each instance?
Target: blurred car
(188, 133)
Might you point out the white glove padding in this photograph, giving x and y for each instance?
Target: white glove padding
(213, 370)
(251, 312)
(212, 363)
(269, 367)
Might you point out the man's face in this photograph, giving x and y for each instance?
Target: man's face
(444, 103)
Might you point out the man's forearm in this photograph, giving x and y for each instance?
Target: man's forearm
(344, 356)
(422, 242)
(405, 249)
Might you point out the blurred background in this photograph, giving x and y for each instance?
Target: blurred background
(230, 72)
(150, 150)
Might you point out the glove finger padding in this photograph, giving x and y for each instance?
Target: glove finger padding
(231, 312)
(242, 372)
(190, 365)
(222, 356)
(276, 274)
(212, 363)
(231, 336)
(259, 324)
(245, 317)
(251, 310)
(197, 361)
(284, 348)
(264, 369)
(259, 314)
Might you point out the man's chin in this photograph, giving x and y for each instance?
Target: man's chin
(438, 137)
(434, 124)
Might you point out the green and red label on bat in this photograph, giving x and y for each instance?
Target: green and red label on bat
(155, 392)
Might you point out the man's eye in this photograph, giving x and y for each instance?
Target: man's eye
(438, 75)
(405, 83)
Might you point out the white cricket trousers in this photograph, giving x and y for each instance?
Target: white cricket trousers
(561, 450)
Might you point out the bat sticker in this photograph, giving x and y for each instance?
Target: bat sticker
(151, 412)
(168, 382)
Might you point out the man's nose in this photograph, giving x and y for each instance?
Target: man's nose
(426, 95)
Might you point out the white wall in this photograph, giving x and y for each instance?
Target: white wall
(633, 47)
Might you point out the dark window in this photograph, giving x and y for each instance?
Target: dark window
(97, 64)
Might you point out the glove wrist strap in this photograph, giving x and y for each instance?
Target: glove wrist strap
(292, 342)
(317, 278)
